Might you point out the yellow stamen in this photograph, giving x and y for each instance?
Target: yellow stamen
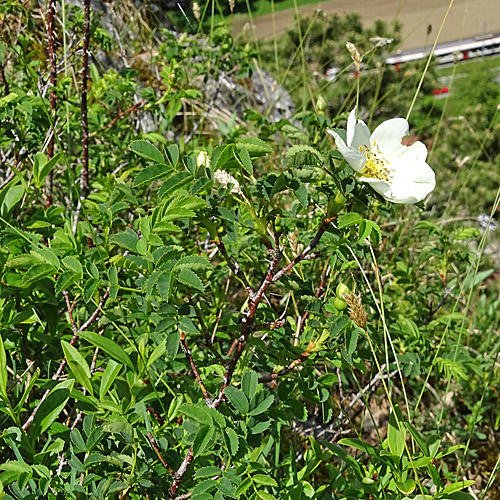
(375, 166)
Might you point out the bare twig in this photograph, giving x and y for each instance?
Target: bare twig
(154, 445)
(84, 181)
(53, 80)
(305, 254)
(63, 363)
(180, 472)
(247, 324)
(189, 356)
(233, 265)
(121, 114)
(296, 362)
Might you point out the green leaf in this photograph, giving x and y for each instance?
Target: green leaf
(301, 195)
(306, 155)
(157, 353)
(47, 255)
(231, 439)
(249, 384)
(10, 195)
(16, 466)
(151, 174)
(263, 406)
(243, 486)
(147, 150)
(244, 159)
(260, 427)
(394, 436)
(118, 427)
(127, 239)
(3, 371)
(191, 279)
(407, 486)
(265, 496)
(173, 154)
(348, 220)
(108, 377)
(164, 284)
(64, 280)
(90, 288)
(197, 413)
(177, 213)
(37, 273)
(448, 451)
(109, 347)
(203, 486)
(186, 325)
(265, 480)
(78, 366)
(460, 485)
(220, 156)
(254, 146)
(237, 399)
(73, 265)
(187, 202)
(77, 440)
(225, 486)
(209, 471)
(24, 261)
(418, 438)
(360, 445)
(202, 440)
(42, 167)
(51, 407)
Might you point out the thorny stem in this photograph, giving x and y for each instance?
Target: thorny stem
(84, 182)
(247, 326)
(62, 364)
(121, 114)
(189, 356)
(53, 80)
(296, 362)
(154, 445)
(233, 265)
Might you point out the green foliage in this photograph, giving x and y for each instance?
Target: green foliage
(190, 328)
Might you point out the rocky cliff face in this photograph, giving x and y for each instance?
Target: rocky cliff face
(225, 97)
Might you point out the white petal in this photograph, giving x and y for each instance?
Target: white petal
(382, 187)
(411, 182)
(388, 135)
(352, 156)
(418, 150)
(351, 124)
(361, 135)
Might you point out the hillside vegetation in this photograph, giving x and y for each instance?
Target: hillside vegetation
(215, 283)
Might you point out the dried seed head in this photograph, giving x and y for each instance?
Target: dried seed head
(196, 11)
(224, 178)
(381, 41)
(356, 309)
(355, 55)
(292, 240)
(231, 5)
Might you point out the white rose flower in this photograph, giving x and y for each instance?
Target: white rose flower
(399, 173)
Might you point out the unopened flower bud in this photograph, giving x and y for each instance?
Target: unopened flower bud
(342, 289)
(202, 159)
(320, 105)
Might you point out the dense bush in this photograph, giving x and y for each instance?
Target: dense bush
(218, 307)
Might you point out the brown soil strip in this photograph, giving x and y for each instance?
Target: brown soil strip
(467, 18)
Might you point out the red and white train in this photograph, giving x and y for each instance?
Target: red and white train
(450, 52)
